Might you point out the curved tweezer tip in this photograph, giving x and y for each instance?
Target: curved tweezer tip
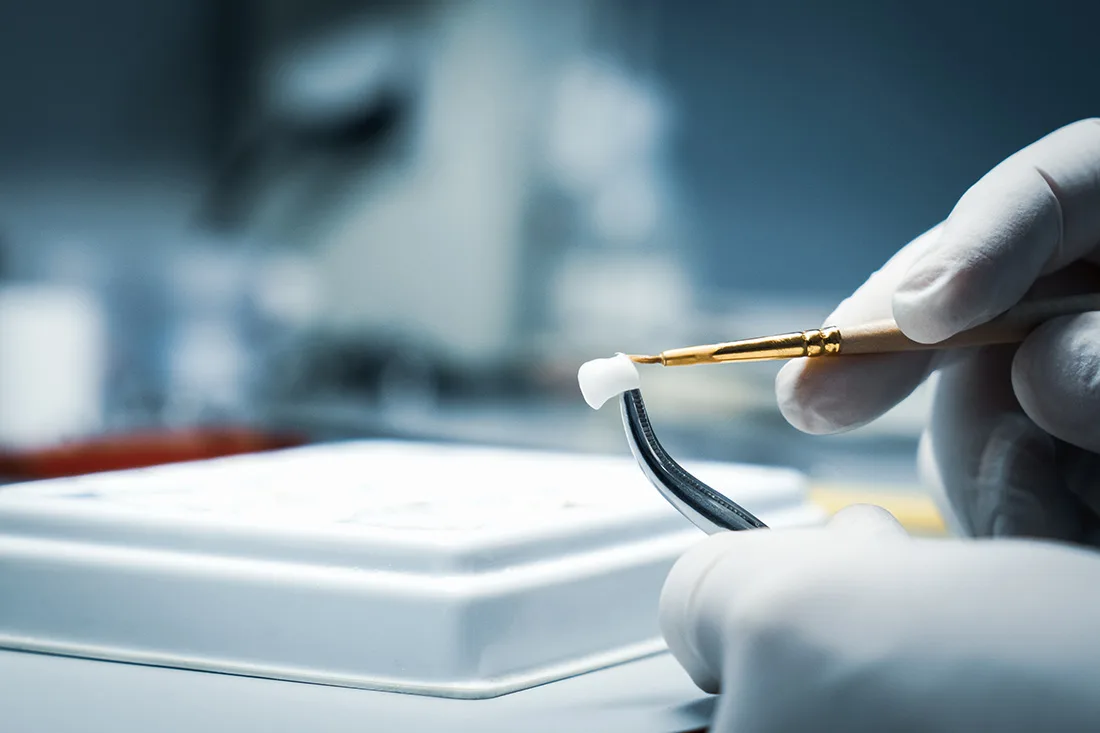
(709, 510)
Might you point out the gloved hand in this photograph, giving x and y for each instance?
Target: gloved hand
(1014, 435)
(857, 627)
(866, 629)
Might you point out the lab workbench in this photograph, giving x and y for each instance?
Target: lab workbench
(49, 694)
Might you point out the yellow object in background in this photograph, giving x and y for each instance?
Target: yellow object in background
(916, 512)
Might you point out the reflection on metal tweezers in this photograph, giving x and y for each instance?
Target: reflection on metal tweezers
(706, 508)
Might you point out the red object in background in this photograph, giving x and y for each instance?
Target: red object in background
(138, 450)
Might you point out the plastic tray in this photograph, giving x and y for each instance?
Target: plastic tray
(445, 571)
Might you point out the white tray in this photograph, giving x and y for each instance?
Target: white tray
(446, 571)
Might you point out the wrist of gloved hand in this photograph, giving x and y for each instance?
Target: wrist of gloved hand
(858, 627)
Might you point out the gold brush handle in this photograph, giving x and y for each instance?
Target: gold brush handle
(878, 337)
(816, 342)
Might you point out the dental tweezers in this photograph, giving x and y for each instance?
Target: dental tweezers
(707, 509)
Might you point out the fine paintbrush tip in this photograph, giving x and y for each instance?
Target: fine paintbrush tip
(638, 359)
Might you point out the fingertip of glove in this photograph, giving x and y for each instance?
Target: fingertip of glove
(923, 314)
(867, 520)
(944, 293)
(796, 396)
(826, 396)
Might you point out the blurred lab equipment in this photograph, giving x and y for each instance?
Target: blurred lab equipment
(476, 125)
(347, 219)
(606, 136)
(434, 191)
(208, 370)
(53, 364)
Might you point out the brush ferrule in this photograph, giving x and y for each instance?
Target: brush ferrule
(817, 342)
(821, 341)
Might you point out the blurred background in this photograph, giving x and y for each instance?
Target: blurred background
(227, 225)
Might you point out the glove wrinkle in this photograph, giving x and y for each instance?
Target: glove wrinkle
(1079, 471)
(1056, 376)
(1057, 258)
(999, 470)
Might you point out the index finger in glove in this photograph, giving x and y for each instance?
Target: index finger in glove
(1035, 213)
(830, 395)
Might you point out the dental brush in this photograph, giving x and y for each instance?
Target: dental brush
(876, 337)
(710, 510)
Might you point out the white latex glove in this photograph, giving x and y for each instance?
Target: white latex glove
(1015, 432)
(866, 629)
(856, 627)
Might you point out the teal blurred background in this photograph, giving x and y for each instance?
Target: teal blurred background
(337, 219)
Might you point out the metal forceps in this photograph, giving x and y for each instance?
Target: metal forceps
(707, 509)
